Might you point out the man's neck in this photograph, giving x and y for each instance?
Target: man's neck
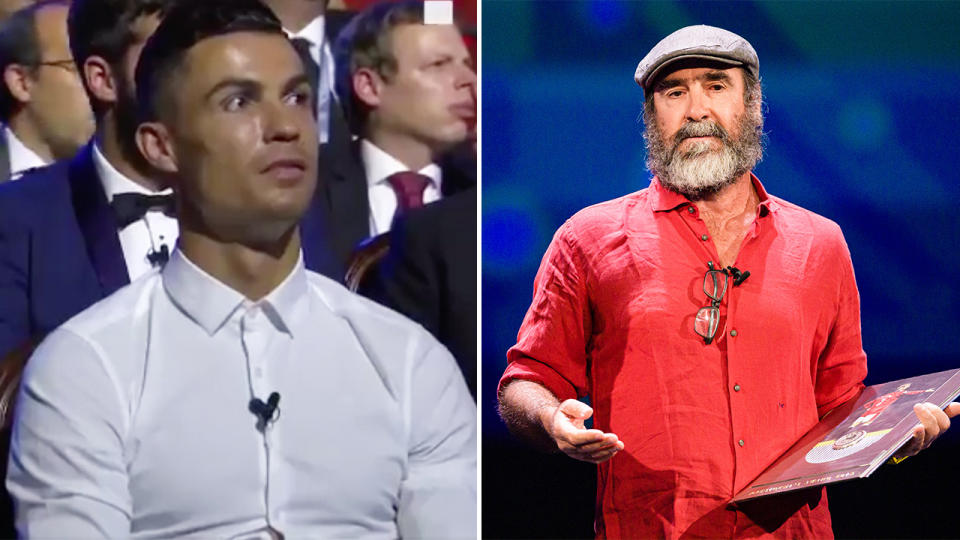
(295, 14)
(28, 134)
(108, 139)
(414, 154)
(734, 200)
(252, 271)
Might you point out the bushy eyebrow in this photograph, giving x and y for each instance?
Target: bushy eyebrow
(709, 76)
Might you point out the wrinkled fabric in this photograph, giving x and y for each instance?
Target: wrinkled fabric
(612, 318)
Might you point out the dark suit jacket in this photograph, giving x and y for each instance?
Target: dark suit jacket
(430, 275)
(343, 192)
(4, 157)
(333, 21)
(60, 250)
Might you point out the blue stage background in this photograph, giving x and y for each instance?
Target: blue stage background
(862, 108)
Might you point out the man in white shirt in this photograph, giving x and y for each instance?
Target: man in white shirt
(234, 393)
(43, 108)
(78, 230)
(410, 93)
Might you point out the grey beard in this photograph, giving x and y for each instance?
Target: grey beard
(702, 169)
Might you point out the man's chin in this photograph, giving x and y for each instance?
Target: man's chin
(694, 189)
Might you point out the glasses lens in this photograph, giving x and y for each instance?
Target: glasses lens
(715, 284)
(706, 322)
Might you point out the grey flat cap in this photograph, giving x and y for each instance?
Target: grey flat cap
(699, 41)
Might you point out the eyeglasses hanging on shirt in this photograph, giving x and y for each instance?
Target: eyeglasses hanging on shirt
(130, 207)
(714, 286)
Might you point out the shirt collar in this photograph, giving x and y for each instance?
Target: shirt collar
(210, 302)
(113, 181)
(664, 200)
(379, 165)
(312, 32)
(21, 157)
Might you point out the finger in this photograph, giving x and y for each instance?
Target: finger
(927, 419)
(935, 423)
(577, 437)
(913, 445)
(576, 409)
(600, 457)
(952, 409)
(609, 439)
(943, 421)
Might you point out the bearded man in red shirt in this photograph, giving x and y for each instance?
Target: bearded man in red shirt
(710, 323)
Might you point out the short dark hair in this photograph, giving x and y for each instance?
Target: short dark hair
(365, 43)
(183, 27)
(19, 44)
(104, 28)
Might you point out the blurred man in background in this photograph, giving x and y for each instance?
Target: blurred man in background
(75, 231)
(409, 89)
(43, 107)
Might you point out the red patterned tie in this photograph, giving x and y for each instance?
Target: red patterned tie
(408, 187)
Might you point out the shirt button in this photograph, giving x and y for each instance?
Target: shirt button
(733, 333)
(736, 388)
(691, 209)
(740, 442)
(704, 237)
(258, 372)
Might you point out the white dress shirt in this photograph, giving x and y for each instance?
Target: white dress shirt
(133, 418)
(383, 200)
(315, 34)
(21, 157)
(144, 235)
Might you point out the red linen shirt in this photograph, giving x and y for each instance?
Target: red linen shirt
(612, 317)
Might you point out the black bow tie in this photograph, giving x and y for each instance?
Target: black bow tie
(130, 207)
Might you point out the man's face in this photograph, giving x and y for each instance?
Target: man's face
(701, 136)
(58, 104)
(244, 136)
(431, 97)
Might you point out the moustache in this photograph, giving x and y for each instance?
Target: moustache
(704, 128)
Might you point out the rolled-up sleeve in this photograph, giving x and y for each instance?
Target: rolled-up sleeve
(66, 469)
(551, 344)
(438, 495)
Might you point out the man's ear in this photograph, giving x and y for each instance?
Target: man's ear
(367, 86)
(153, 141)
(18, 81)
(100, 79)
